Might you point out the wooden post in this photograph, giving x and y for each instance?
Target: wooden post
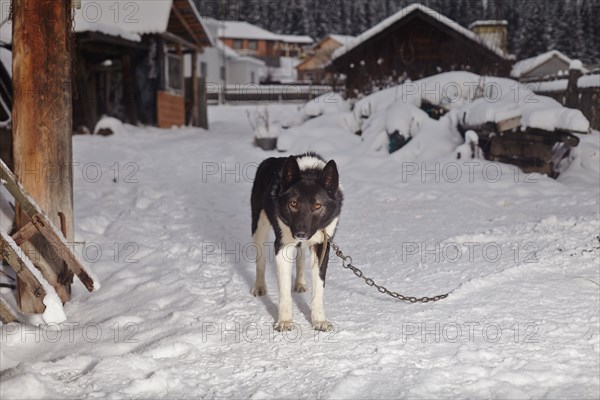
(203, 112)
(195, 94)
(42, 115)
(572, 88)
(128, 89)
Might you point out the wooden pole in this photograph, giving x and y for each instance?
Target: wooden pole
(203, 112)
(572, 96)
(42, 119)
(195, 93)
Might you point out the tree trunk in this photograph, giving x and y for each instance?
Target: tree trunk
(42, 119)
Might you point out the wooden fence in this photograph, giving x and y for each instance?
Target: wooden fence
(219, 94)
(575, 90)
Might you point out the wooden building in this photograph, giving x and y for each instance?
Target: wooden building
(312, 68)
(414, 43)
(546, 64)
(132, 67)
(250, 40)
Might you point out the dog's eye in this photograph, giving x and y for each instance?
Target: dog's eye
(317, 206)
(293, 204)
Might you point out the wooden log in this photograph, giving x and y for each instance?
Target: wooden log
(42, 115)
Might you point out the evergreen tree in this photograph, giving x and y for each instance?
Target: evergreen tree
(530, 38)
(534, 26)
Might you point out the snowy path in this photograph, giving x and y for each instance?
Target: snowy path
(175, 317)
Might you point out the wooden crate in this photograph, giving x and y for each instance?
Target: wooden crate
(170, 109)
(532, 150)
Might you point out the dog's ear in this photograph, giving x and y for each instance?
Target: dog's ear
(290, 173)
(329, 177)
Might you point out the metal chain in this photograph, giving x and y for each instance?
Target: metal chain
(347, 263)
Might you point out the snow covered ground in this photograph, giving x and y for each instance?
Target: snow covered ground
(166, 220)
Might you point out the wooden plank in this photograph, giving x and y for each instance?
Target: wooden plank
(14, 255)
(6, 316)
(17, 190)
(25, 233)
(59, 245)
(185, 25)
(45, 226)
(508, 124)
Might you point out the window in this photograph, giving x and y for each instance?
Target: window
(237, 44)
(222, 72)
(174, 72)
(252, 44)
(252, 77)
(203, 69)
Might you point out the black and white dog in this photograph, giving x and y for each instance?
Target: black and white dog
(300, 198)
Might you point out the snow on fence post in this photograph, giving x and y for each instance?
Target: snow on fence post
(42, 129)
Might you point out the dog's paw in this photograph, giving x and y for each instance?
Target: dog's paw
(259, 291)
(300, 287)
(323, 326)
(281, 326)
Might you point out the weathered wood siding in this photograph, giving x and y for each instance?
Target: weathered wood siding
(416, 47)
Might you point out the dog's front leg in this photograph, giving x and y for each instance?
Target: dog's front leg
(319, 321)
(300, 285)
(283, 261)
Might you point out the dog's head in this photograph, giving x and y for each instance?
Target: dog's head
(310, 199)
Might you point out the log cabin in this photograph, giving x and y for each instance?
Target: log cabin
(413, 43)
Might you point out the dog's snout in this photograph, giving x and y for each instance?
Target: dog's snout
(300, 235)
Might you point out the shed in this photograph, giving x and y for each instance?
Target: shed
(413, 43)
(130, 62)
(546, 64)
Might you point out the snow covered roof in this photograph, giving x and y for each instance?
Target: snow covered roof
(131, 19)
(233, 55)
(341, 39)
(296, 39)
(144, 17)
(403, 13)
(248, 59)
(524, 66)
(488, 22)
(244, 30)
